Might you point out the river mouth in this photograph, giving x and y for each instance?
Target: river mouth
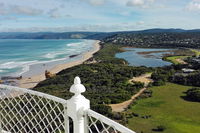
(149, 57)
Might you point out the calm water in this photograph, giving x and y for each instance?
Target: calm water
(18, 56)
(151, 60)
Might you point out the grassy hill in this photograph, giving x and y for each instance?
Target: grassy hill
(167, 109)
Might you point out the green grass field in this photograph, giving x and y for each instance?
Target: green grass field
(168, 109)
(173, 59)
(197, 52)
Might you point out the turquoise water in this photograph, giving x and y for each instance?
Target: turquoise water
(151, 60)
(17, 56)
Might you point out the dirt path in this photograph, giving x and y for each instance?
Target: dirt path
(145, 78)
(181, 61)
(122, 106)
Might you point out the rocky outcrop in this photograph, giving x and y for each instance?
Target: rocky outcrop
(49, 74)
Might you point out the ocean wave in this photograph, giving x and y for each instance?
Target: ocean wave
(73, 44)
(71, 48)
(51, 55)
(12, 64)
(1, 71)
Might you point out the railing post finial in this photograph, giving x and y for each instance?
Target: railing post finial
(77, 88)
(77, 80)
(77, 105)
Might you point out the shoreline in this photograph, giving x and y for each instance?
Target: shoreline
(32, 81)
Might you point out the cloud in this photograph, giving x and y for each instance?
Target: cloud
(135, 3)
(24, 10)
(14, 19)
(140, 3)
(140, 23)
(125, 13)
(95, 2)
(83, 27)
(55, 13)
(1, 5)
(152, 1)
(194, 5)
(2, 9)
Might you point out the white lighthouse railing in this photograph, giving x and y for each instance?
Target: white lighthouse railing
(28, 111)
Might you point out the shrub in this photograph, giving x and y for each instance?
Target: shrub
(193, 94)
(159, 128)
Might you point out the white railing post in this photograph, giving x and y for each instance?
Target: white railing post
(76, 107)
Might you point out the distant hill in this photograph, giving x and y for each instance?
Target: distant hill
(157, 38)
(46, 35)
(83, 35)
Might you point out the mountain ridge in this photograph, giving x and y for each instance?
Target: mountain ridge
(84, 35)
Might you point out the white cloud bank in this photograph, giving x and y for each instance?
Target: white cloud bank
(194, 5)
(135, 3)
(139, 3)
(95, 2)
(19, 10)
(84, 27)
(16, 9)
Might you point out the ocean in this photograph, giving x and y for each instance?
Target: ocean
(18, 56)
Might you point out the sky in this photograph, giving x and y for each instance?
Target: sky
(97, 15)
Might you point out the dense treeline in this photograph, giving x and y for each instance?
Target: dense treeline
(193, 94)
(190, 79)
(162, 75)
(175, 73)
(105, 83)
(107, 54)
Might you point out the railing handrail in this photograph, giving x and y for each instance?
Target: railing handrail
(44, 95)
(108, 121)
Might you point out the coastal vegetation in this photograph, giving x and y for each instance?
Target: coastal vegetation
(165, 106)
(162, 75)
(106, 81)
(197, 52)
(180, 55)
(189, 79)
(193, 94)
(175, 59)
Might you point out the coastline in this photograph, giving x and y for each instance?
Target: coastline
(32, 81)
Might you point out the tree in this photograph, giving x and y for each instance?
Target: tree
(193, 94)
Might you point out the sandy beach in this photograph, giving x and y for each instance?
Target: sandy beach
(32, 81)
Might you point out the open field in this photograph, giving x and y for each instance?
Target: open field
(166, 108)
(197, 52)
(180, 59)
(176, 59)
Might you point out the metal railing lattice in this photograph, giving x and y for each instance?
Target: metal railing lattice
(25, 112)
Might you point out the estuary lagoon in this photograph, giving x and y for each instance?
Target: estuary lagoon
(145, 56)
